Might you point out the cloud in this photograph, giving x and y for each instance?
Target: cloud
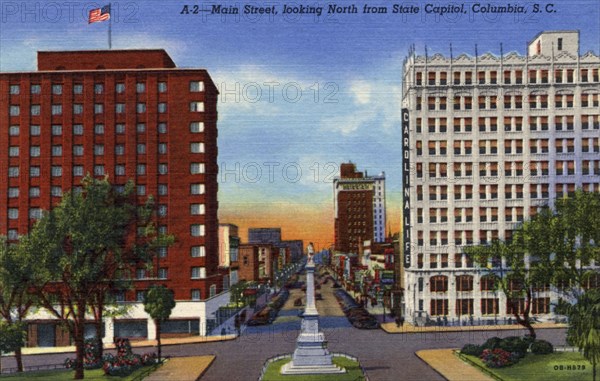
(361, 91)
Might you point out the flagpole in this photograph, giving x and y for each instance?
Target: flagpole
(110, 27)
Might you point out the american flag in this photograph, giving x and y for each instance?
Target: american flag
(99, 14)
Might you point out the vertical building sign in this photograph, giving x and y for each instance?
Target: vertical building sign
(406, 228)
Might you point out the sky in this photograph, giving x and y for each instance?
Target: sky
(300, 94)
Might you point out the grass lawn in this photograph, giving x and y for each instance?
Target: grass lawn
(60, 375)
(543, 368)
(353, 372)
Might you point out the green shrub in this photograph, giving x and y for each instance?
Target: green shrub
(541, 347)
(515, 344)
(492, 343)
(472, 350)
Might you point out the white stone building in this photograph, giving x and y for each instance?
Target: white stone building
(486, 141)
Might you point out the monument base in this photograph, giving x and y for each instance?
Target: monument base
(290, 368)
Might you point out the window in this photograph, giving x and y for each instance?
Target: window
(196, 86)
(141, 149)
(141, 190)
(34, 110)
(56, 130)
(119, 150)
(56, 150)
(464, 283)
(56, 191)
(56, 109)
(77, 89)
(197, 106)
(14, 110)
(15, 89)
(196, 168)
(78, 150)
(120, 108)
(56, 171)
(34, 151)
(33, 171)
(98, 149)
(119, 170)
(34, 130)
(195, 294)
(13, 192)
(140, 87)
(13, 234)
(35, 213)
(98, 88)
(438, 283)
(98, 170)
(57, 89)
(13, 131)
(197, 230)
(34, 192)
(13, 213)
(140, 296)
(77, 109)
(120, 88)
(197, 147)
(162, 87)
(162, 128)
(162, 189)
(36, 89)
(120, 128)
(78, 170)
(140, 128)
(162, 273)
(198, 251)
(212, 291)
(99, 129)
(162, 148)
(162, 108)
(560, 44)
(140, 108)
(163, 169)
(141, 169)
(13, 151)
(198, 272)
(197, 189)
(162, 210)
(197, 209)
(196, 127)
(162, 251)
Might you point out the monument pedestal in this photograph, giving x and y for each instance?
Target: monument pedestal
(311, 355)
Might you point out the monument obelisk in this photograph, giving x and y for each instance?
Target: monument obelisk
(311, 355)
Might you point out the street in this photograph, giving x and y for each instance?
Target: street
(385, 357)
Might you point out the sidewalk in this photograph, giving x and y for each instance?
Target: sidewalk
(182, 369)
(134, 344)
(409, 328)
(450, 366)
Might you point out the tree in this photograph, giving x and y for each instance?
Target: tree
(584, 325)
(158, 303)
(15, 279)
(512, 273)
(82, 248)
(12, 338)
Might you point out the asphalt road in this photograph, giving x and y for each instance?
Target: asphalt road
(386, 357)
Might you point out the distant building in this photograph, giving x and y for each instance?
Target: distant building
(229, 243)
(249, 263)
(359, 207)
(264, 235)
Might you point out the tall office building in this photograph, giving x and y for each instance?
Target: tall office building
(487, 140)
(128, 115)
(359, 208)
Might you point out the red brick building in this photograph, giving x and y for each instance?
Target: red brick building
(128, 115)
(353, 206)
(249, 263)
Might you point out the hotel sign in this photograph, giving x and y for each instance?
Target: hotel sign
(406, 187)
(357, 186)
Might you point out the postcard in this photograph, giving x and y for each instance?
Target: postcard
(314, 174)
